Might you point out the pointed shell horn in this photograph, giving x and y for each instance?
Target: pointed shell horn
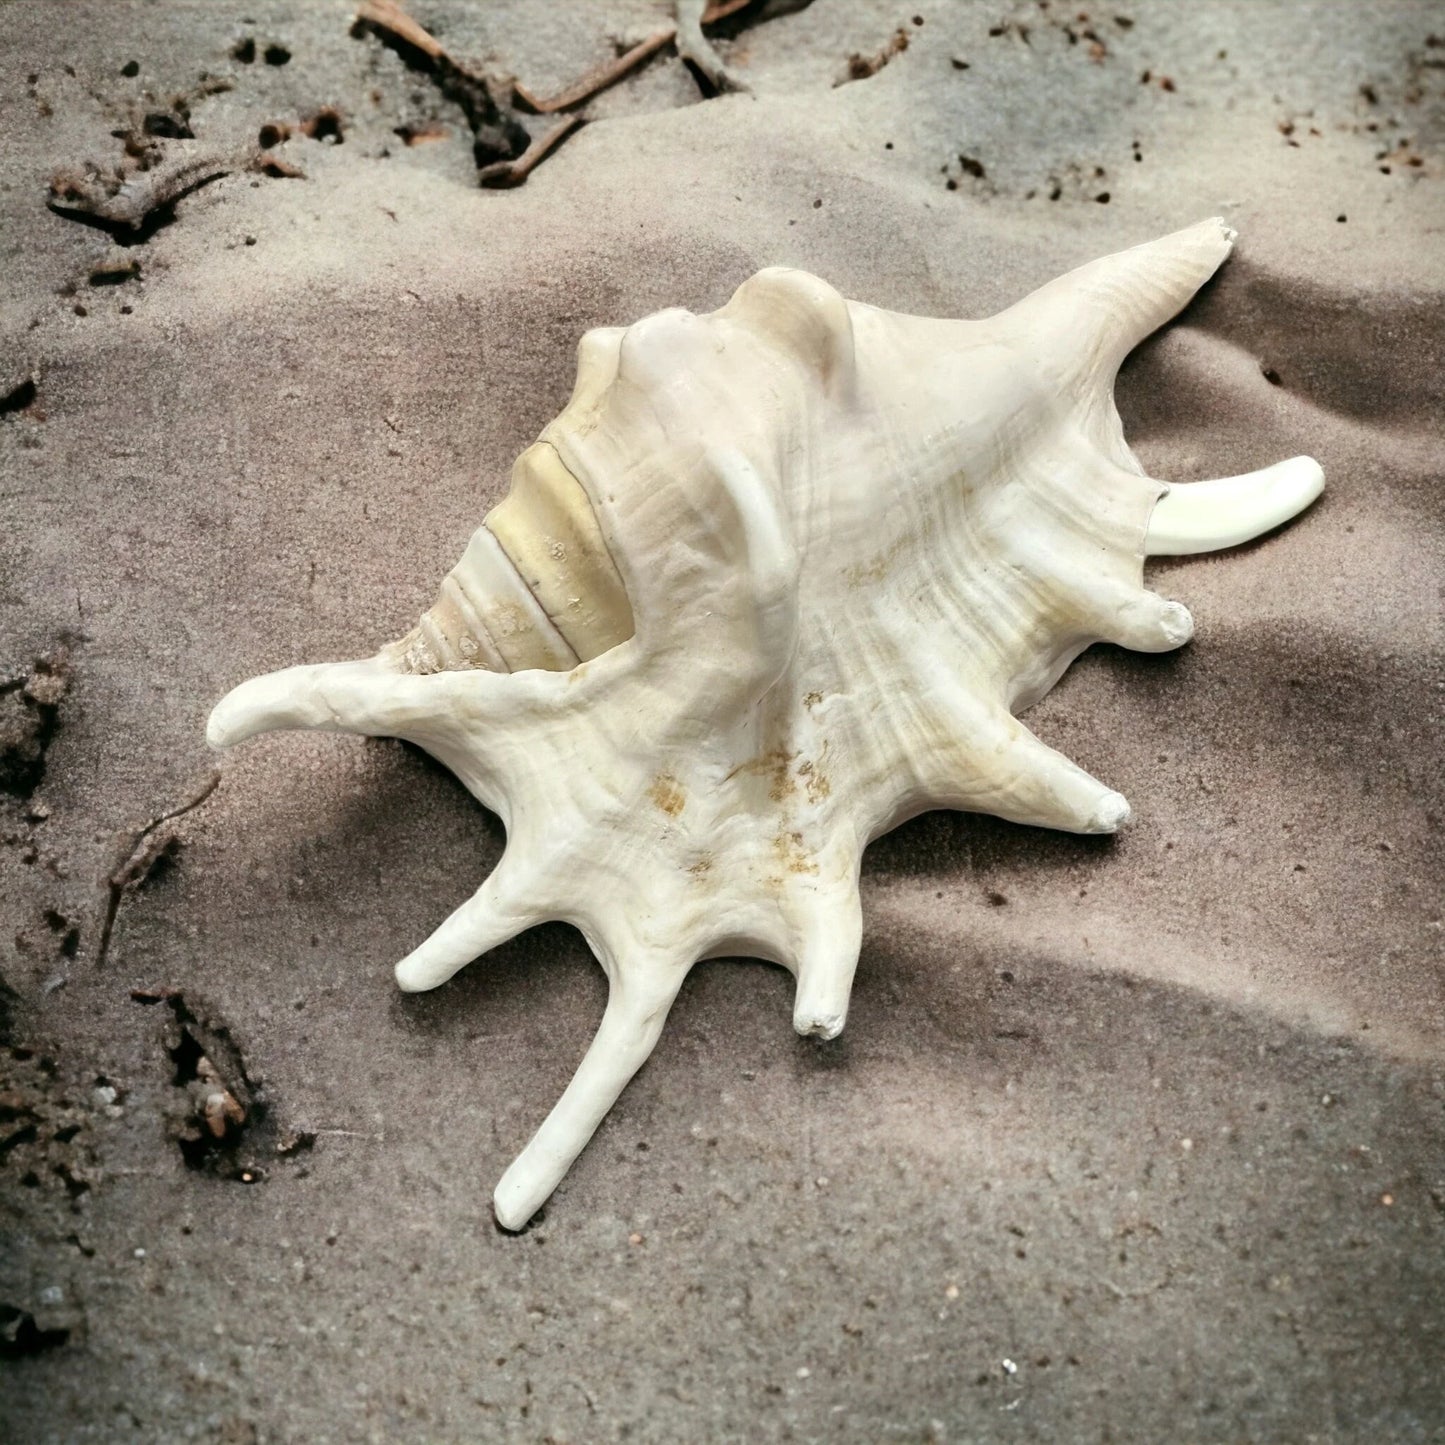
(1087, 321)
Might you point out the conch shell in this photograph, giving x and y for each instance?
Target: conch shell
(777, 579)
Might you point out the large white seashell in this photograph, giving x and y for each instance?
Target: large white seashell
(776, 580)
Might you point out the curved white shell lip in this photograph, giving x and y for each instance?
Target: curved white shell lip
(854, 544)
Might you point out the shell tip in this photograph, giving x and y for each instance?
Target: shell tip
(814, 1023)
(504, 1220)
(1310, 480)
(1178, 628)
(1227, 231)
(1111, 814)
(407, 979)
(510, 1206)
(218, 735)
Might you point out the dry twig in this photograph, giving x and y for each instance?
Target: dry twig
(513, 173)
(598, 79)
(497, 135)
(861, 67)
(147, 848)
(132, 203)
(609, 74)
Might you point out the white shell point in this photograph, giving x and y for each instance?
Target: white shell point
(777, 579)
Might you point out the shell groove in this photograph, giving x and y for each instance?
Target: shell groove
(777, 578)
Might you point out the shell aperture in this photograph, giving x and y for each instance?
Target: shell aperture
(777, 579)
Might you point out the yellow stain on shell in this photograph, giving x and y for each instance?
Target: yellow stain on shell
(668, 794)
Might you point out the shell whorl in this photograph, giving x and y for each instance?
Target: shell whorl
(535, 588)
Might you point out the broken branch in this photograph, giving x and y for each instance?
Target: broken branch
(513, 173)
(609, 74)
(497, 135)
(145, 852)
(387, 15)
(598, 79)
(134, 204)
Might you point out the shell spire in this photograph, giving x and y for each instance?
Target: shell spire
(536, 586)
(776, 579)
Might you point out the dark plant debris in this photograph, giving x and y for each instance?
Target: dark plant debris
(66, 929)
(167, 125)
(861, 67)
(221, 1103)
(133, 201)
(20, 1335)
(29, 713)
(513, 173)
(1010, 27)
(324, 124)
(278, 168)
(423, 132)
(115, 272)
(9, 1006)
(294, 1141)
(497, 135)
(151, 849)
(46, 1138)
(19, 397)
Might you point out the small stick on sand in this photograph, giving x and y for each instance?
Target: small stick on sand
(496, 131)
(133, 203)
(693, 47)
(389, 16)
(609, 74)
(598, 79)
(513, 173)
(474, 92)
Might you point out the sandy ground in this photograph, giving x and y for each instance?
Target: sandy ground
(1126, 1140)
